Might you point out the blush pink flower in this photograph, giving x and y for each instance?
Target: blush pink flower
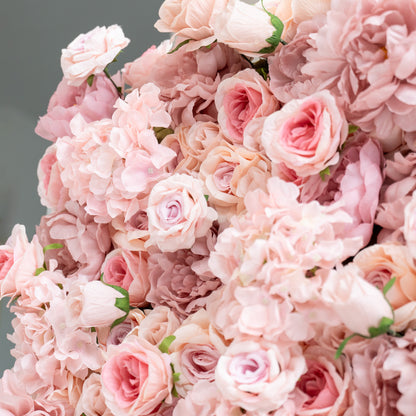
(92, 102)
(89, 53)
(136, 378)
(258, 376)
(128, 270)
(364, 55)
(178, 213)
(409, 229)
(181, 281)
(188, 81)
(240, 99)
(306, 134)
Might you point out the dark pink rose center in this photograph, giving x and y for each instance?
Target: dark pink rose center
(116, 272)
(223, 175)
(138, 221)
(301, 133)
(241, 105)
(318, 384)
(170, 210)
(379, 277)
(199, 362)
(249, 368)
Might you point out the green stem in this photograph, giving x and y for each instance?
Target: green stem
(120, 94)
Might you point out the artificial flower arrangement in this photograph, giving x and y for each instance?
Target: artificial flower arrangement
(232, 219)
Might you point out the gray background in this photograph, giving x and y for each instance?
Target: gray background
(32, 34)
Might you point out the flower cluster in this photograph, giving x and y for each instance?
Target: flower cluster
(231, 224)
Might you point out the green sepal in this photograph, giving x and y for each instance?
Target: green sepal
(342, 345)
(121, 303)
(176, 377)
(183, 43)
(52, 247)
(90, 80)
(388, 285)
(206, 197)
(162, 132)
(93, 329)
(174, 391)
(382, 328)
(352, 129)
(324, 173)
(39, 270)
(275, 39)
(165, 344)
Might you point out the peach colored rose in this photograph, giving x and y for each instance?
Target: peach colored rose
(259, 376)
(306, 134)
(158, 324)
(178, 213)
(189, 19)
(89, 53)
(136, 378)
(91, 401)
(195, 351)
(128, 270)
(240, 99)
(229, 172)
(358, 304)
(243, 27)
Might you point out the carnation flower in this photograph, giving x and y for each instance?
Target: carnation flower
(89, 53)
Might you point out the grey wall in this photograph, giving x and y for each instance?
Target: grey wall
(32, 34)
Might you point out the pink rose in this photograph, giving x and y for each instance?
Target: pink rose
(358, 304)
(258, 376)
(306, 134)
(189, 19)
(410, 225)
(128, 270)
(136, 378)
(89, 53)
(178, 213)
(92, 102)
(240, 99)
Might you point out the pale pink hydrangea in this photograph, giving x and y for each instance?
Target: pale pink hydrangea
(188, 81)
(240, 99)
(89, 53)
(92, 102)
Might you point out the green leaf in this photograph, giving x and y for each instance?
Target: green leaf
(174, 391)
(162, 132)
(165, 344)
(352, 129)
(176, 377)
(342, 345)
(324, 173)
(206, 197)
(388, 285)
(39, 270)
(267, 50)
(90, 80)
(179, 46)
(52, 247)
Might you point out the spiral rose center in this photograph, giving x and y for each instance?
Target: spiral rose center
(223, 176)
(249, 368)
(170, 210)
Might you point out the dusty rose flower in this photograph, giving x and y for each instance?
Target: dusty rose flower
(180, 280)
(178, 213)
(240, 99)
(136, 378)
(355, 181)
(85, 243)
(91, 401)
(189, 20)
(258, 376)
(369, 69)
(306, 134)
(92, 102)
(358, 304)
(89, 53)
(324, 388)
(396, 193)
(188, 81)
(128, 270)
(158, 324)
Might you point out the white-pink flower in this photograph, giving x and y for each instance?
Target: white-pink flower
(89, 53)
(178, 213)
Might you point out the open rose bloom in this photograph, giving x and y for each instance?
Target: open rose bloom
(231, 224)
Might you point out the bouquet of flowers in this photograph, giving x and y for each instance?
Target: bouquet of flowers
(231, 224)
